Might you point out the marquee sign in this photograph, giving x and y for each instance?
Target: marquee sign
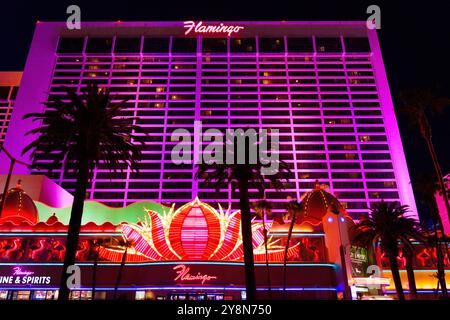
(199, 27)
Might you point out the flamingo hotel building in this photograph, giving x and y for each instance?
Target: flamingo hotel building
(321, 85)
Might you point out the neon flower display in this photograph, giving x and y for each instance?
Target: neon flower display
(195, 231)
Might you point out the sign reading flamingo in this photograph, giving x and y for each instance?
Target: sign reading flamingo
(184, 275)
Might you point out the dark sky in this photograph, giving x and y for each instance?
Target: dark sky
(414, 37)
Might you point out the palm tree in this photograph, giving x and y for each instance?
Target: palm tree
(263, 208)
(243, 175)
(95, 244)
(388, 224)
(427, 187)
(409, 255)
(82, 131)
(125, 245)
(94, 252)
(294, 209)
(417, 105)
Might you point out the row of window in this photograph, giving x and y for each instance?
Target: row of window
(211, 45)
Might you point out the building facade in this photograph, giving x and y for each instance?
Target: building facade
(322, 85)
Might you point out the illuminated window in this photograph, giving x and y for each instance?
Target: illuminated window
(3, 294)
(364, 138)
(140, 295)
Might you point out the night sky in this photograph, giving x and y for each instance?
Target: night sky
(414, 37)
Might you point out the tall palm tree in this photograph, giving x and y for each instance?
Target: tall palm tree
(294, 210)
(409, 255)
(125, 245)
(244, 176)
(426, 186)
(388, 225)
(417, 105)
(263, 209)
(94, 254)
(82, 131)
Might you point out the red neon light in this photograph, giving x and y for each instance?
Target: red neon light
(196, 231)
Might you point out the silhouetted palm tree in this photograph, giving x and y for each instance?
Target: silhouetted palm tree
(263, 209)
(294, 210)
(94, 251)
(417, 105)
(82, 131)
(409, 255)
(244, 175)
(426, 186)
(388, 225)
(125, 245)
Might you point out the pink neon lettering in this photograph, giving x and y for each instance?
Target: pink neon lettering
(201, 28)
(19, 272)
(183, 274)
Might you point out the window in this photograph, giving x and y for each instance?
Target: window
(14, 93)
(328, 45)
(127, 45)
(300, 45)
(357, 45)
(214, 45)
(70, 45)
(271, 45)
(3, 294)
(156, 45)
(243, 45)
(140, 295)
(184, 45)
(99, 45)
(4, 92)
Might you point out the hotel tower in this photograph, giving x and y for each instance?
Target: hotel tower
(322, 85)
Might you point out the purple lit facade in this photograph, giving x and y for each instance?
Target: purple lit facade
(321, 84)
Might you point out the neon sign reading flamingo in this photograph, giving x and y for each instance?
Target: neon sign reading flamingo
(199, 27)
(184, 275)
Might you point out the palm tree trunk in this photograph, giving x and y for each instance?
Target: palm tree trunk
(269, 283)
(439, 255)
(289, 236)
(410, 273)
(396, 274)
(247, 240)
(74, 227)
(119, 275)
(94, 274)
(440, 258)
